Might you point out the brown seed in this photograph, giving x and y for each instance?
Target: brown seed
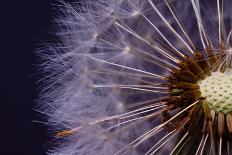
(221, 120)
(229, 122)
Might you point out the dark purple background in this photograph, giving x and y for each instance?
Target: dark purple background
(24, 22)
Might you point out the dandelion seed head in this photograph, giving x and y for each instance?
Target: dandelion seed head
(140, 77)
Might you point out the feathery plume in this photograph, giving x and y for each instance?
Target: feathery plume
(140, 77)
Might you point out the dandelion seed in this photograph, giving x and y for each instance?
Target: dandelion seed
(141, 77)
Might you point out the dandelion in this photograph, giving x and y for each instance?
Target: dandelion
(140, 77)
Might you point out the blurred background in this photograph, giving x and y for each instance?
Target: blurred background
(25, 23)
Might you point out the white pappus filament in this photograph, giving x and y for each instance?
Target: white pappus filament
(123, 77)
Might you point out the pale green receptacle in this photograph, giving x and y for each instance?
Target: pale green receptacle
(217, 89)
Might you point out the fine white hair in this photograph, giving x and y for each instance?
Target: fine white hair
(104, 49)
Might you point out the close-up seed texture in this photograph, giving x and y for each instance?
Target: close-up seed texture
(141, 77)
